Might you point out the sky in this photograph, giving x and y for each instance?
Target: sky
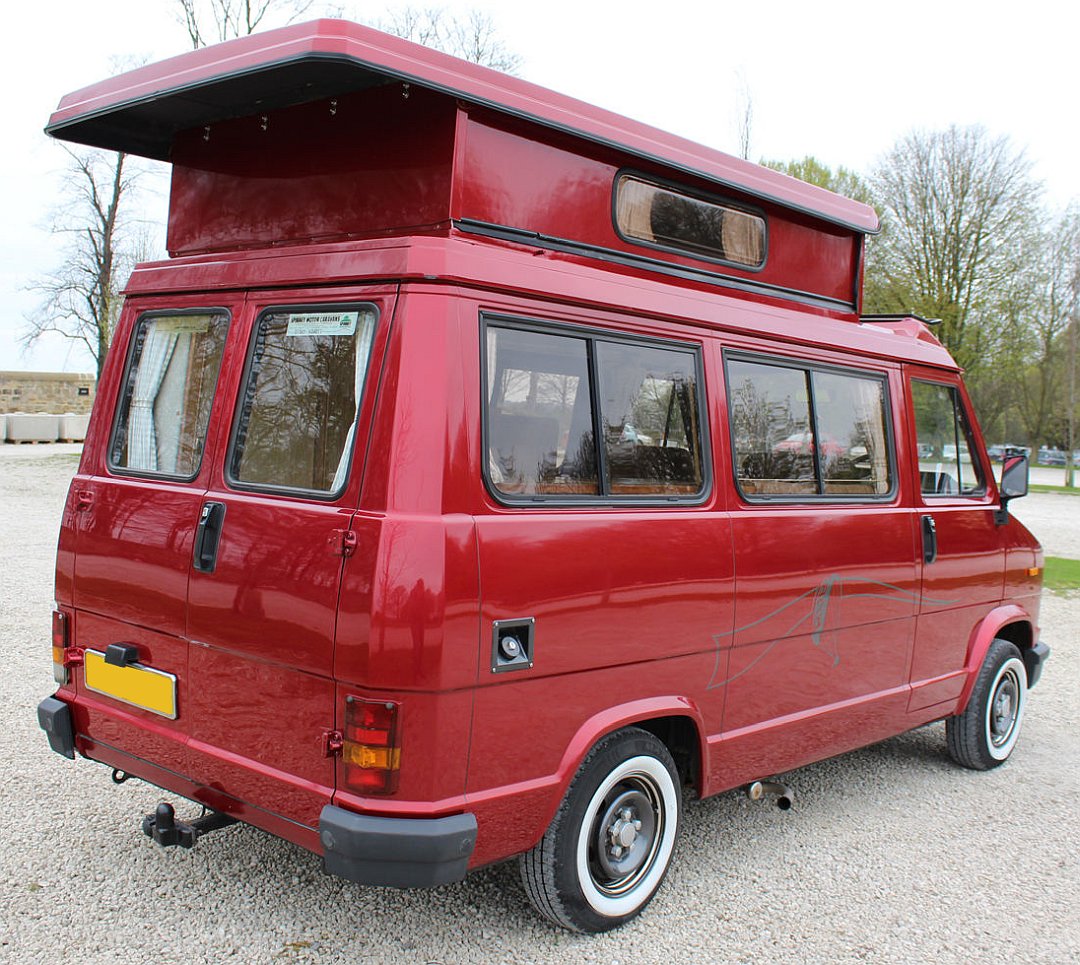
(840, 80)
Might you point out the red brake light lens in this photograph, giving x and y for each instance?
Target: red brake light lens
(370, 754)
(59, 630)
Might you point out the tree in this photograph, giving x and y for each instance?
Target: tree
(1047, 302)
(744, 116)
(961, 218)
(472, 37)
(212, 21)
(82, 297)
(841, 181)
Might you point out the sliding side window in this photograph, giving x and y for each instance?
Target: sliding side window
(168, 391)
(946, 443)
(573, 415)
(802, 431)
(302, 390)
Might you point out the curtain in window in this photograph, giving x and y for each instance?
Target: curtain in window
(363, 349)
(157, 351)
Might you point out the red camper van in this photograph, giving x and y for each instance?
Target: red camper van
(483, 470)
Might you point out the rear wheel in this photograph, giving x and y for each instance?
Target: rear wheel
(610, 843)
(985, 733)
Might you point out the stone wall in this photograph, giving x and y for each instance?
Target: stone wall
(57, 392)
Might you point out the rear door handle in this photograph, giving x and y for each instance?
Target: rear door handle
(207, 535)
(929, 539)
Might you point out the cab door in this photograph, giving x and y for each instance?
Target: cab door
(273, 532)
(962, 558)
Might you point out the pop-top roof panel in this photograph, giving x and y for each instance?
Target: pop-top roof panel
(141, 111)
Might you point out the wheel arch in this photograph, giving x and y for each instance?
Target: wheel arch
(675, 721)
(1011, 623)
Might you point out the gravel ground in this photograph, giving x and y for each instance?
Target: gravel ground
(891, 854)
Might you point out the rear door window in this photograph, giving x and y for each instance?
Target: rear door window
(168, 390)
(302, 389)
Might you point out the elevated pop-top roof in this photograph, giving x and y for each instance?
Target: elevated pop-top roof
(143, 110)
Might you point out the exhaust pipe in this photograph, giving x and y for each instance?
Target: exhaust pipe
(785, 797)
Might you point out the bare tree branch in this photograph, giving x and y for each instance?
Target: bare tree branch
(473, 36)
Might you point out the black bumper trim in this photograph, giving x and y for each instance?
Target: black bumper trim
(1034, 660)
(54, 716)
(396, 852)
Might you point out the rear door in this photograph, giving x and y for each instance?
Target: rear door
(150, 456)
(268, 549)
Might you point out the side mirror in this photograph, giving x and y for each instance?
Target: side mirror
(1014, 477)
(1014, 483)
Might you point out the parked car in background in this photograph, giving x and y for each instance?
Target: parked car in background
(1051, 456)
(1002, 451)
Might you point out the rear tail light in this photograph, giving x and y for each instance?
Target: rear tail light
(370, 753)
(60, 638)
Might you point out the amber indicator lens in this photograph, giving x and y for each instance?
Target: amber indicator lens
(370, 753)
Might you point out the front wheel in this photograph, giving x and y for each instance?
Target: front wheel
(610, 843)
(985, 733)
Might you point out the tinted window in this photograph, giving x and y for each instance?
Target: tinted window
(801, 431)
(946, 443)
(539, 423)
(303, 387)
(670, 218)
(545, 393)
(649, 412)
(168, 392)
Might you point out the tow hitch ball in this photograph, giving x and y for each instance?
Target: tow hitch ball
(167, 831)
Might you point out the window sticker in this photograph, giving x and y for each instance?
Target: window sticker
(182, 324)
(322, 323)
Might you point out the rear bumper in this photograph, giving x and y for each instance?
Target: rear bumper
(54, 716)
(1034, 661)
(396, 852)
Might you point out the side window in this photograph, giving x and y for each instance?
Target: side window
(649, 413)
(770, 422)
(547, 393)
(167, 393)
(302, 389)
(540, 414)
(946, 444)
(803, 431)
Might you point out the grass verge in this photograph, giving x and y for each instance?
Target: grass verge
(1061, 575)
(1039, 488)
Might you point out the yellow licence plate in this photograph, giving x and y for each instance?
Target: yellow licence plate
(144, 687)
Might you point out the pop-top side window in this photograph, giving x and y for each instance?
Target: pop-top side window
(800, 431)
(302, 391)
(548, 391)
(168, 391)
(668, 218)
(947, 466)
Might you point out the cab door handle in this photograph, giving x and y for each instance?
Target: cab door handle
(207, 535)
(929, 539)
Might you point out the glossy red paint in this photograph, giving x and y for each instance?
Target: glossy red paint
(755, 636)
(215, 83)
(515, 176)
(370, 162)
